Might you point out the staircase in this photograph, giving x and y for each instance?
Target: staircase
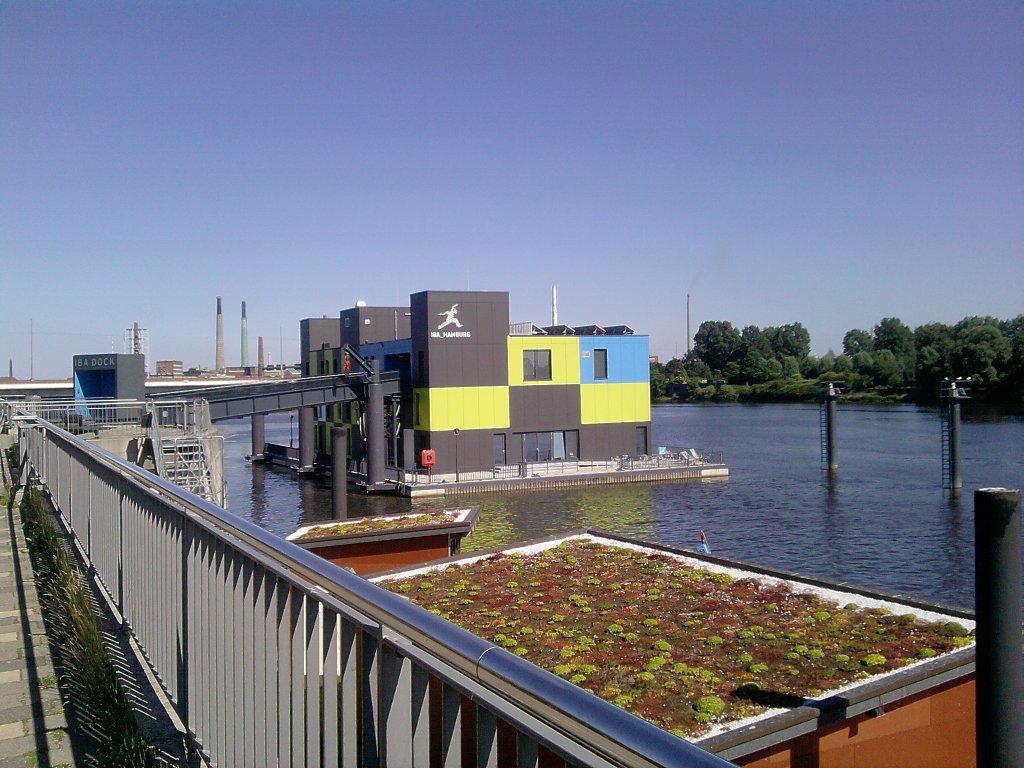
(185, 462)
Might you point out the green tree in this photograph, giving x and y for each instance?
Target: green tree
(893, 335)
(887, 370)
(791, 366)
(659, 382)
(789, 340)
(934, 344)
(856, 341)
(717, 343)
(675, 370)
(755, 340)
(758, 369)
(982, 352)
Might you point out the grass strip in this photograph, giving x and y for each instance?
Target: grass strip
(77, 634)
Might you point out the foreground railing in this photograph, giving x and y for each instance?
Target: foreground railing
(274, 656)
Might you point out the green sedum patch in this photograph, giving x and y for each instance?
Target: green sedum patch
(723, 646)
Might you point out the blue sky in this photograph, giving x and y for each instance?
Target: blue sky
(824, 163)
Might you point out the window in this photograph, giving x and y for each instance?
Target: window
(600, 363)
(641, 441)
(536, 365)
(550, 446)
(499, 449)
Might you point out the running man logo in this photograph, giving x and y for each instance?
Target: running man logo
(450, 318)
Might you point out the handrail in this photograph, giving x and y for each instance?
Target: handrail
(215, 544)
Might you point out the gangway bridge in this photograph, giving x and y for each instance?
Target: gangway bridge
(364, 382)
(242, 400)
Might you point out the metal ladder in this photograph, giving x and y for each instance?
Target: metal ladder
(823, 430)
(186, 464)
(947, 459)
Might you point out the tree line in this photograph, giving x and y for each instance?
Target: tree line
(892, 361)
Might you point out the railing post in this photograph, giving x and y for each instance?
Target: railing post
(1000, 690)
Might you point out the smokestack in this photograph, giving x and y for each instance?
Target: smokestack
(245, 339)
(220, 339)
(259, 356)
(554, 305)
(689, 335)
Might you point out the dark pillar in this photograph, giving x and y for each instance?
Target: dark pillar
(997, 606)
(376, 442)
(408, 450)
(833, 454)
(259, 435)
(339, 472)
(956, 477)
(307, 446)
(831, 395)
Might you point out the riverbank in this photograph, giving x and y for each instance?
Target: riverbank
(807, 391)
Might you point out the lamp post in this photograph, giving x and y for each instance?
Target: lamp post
(456, 432)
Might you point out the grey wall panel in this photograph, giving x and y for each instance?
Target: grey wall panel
(602, 441)
(465, 347)
(544, 408)
(475, 449)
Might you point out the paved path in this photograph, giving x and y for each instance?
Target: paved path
(33, 728)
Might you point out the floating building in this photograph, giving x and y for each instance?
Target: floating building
(481, 392)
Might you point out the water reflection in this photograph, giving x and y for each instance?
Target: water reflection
(882, 520)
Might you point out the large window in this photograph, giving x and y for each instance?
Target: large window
(600, 363)
(551, 446)
(499, 449)
(536, 365)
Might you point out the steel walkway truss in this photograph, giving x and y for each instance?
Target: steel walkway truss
(269, 397)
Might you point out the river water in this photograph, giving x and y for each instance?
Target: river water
(883, 520)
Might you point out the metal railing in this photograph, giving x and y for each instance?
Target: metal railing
(274, 656)
(675, 457)
(77, 416)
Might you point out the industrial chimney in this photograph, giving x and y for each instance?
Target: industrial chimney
(260, 365)
(554, 305)
(220, 339)
(245, 339)
(689, 335)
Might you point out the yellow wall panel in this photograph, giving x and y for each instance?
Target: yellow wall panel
(445, 408)
(615, 403)
(565, 359)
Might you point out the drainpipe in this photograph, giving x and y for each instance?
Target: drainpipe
(997, 607)
(339, 472)
(376, 443)
(307, 448)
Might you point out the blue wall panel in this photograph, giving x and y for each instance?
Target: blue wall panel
(628, 359)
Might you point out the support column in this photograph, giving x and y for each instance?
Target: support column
(307, 445)
(258, 429)
(376, 442)
(956, 476)
(339, 472)
(830, 392)
(997, 607)
(408, 450)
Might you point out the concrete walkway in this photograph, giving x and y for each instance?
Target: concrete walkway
(33, 727)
